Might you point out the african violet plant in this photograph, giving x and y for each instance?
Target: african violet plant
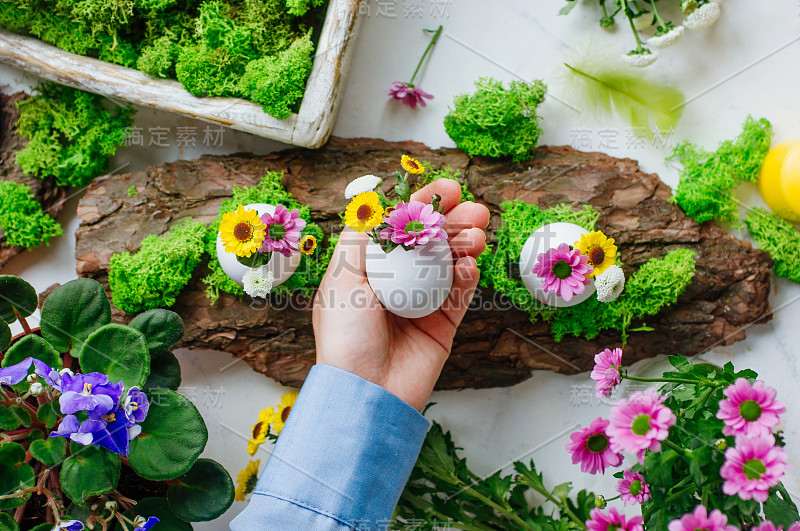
(90, 420)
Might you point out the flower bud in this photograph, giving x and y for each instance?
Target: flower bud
(721, 445)
(62, 372)
(139, 521)
(111, 505)
(36, 389)
(600, 502)
(31, 378)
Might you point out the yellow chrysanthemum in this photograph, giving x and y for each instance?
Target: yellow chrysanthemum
(364, 212)
(307, 244)
(412, 166)
(283, 409)
(247, 480)
(600, 249)
(242, 231)
(260, 430)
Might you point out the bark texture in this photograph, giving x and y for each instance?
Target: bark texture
(495, 346)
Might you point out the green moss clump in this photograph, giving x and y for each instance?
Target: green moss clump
(779, 238)
(301, 7)
(495, 121)
(22, 219)
(70, 134)
(707, 180)
(153, 276)
(446, 172)
(271, 191)
(158, 59)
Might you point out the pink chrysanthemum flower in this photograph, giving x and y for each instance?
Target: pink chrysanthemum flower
(700, 520)
(749, 409)
(752, 467)
(640, 423)
(606, 371)
(590, 447)
(563, 271)
(613, 521)
(283, 231)
(414, 223)
(632, 488)
(409, 94)
(769, 526)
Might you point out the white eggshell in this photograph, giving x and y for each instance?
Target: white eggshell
(281, 266)
(540, 241)
(411, 283)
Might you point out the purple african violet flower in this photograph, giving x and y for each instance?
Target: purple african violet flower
(69, 525)
(409, 94)
(80, 432)
(89, 392)
(114, 435)
(414, 223)
(148, 524)
(47, 373)
(14, 374)
(563, 271)
(283, 231)
(135, 405)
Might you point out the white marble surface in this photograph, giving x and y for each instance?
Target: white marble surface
(746, 64)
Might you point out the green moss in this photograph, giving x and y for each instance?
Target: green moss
(270, 190)
(495, 121)
(657, 284)
(707, 179)
(22, 219)
(779, 238)
(446, 172)
(158, 58)
(71, 135)
(153, 276)
(132, 191)
(301, 7)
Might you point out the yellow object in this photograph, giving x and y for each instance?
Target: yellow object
(600, 249)
(247, 480)
(307, 244)
(412, 166)
(364, 212)
(260, 430)
(790, 181)
(769, 180)
(242, 231)
(283, 409)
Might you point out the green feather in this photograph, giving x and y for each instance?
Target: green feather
(606, 83)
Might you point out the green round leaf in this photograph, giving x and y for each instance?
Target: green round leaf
(32, 346)
(16, 293)
(161, 328)
(173, 437)
(165, 372)
(48, 413)
(90, 471)
(13, 478)
(7, 523)
(34, 435)
(51, 452)
(159, 507)
(43, 527)
(73, 311)
(203, 493)
(11, 453)
(118, 351)
(5, 335)
(12, 417)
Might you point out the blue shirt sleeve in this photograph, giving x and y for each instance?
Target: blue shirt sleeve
(341, 461)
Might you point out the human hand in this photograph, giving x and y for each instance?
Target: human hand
(355, 333)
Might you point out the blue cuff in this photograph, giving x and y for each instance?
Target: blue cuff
(345, 453)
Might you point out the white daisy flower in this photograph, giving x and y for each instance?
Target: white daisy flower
(256, 283)
(367, 183)
(609, 284)
(702, 17)
(640, 60)
(667, 39)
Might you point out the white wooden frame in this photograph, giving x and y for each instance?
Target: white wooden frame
(310, 127)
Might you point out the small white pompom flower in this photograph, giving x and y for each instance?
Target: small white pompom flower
(367, 183)
(667, 39)
(640, 60)
(702, 17)
(256, 283)
(609, 283)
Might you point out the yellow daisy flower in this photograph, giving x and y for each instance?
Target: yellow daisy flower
(600, 249)
(364, 212)
(247, 480)
(412, 166)
(283, 409)
(260, 430)
(308, 244)
(242, 231)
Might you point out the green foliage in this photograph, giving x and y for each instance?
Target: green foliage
(655, 285)
(707, 180)
(158, 59)
(32, 346)
(70, 134)
(5, 335)
(19, 298)
(495, 121)
(118, 351)
(73, 312)
(779, 238)
(165, 372)
(278, 82)
(203, 493)
(153, 276)
(161, 329)
(446, 172)
(443, 489)
(301, 7)
(88, 472)
(51, 452)
(22, 219)
(159, 507)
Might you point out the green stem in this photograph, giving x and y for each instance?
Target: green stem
(670, 444)
(628, 13)
(663, 380)
(497, 507)
(660, 21)
(561, 505)
(431, 44)
(614, 498)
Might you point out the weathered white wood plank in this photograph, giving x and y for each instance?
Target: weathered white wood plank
(311, 127)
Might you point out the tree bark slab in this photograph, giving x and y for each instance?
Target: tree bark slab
(495, 346)
(50, 196)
